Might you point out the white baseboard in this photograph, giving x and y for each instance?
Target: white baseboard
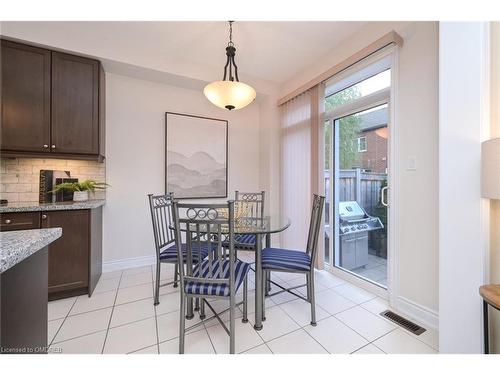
(122, 264)
(417, 312)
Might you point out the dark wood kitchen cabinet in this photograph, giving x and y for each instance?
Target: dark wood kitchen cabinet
(19, 221)
(75, 259)
(69, 256)
(75, 104)
(53, 104)
(25, 98)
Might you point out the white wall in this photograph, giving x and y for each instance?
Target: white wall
(417, 135)
(461, 240)
(135, 113)
(417, 122)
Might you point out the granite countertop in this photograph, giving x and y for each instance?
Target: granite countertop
(15, 246)
(59, 206)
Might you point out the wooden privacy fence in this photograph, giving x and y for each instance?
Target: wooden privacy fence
(356, 185)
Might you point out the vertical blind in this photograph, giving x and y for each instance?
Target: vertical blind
(299, 171)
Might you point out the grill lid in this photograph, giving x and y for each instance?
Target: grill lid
(350, 210)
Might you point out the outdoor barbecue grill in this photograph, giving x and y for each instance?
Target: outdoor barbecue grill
(355, 224)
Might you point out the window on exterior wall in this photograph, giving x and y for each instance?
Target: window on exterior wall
(358, 90)
(361, 144)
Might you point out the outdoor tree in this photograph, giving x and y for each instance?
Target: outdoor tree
(349, 130)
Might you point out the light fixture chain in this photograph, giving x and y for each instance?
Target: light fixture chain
(230, 33)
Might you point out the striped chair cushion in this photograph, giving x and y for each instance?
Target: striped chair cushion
(209, 289)
(282, 259)
(170, 254)
(244, 240)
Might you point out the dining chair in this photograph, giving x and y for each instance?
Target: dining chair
(218, 276)
(296, 261)
(250, 205)
(166, 249)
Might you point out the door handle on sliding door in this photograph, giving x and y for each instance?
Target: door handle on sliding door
(383, 195)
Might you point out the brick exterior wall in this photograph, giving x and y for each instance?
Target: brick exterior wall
(19, 177)
(375, 156)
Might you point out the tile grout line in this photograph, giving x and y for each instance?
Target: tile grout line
(111, 315)
(352, 329)
(64, 320)
(265, 343)
(300, 327)
(209, 338)
(292, 331)
(373, 342)
(409, 334)
(364, 346)
(366, 338)
(253, 347)
(145, 347)
(80, 336)
(307, 333)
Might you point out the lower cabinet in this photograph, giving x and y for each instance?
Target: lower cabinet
(69, 256)
(75, 259)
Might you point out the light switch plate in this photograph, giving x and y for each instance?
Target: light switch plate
(412, 163)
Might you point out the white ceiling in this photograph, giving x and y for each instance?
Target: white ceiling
(272, 51)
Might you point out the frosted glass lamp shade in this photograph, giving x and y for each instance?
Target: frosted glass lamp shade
(229, 94)
(490, 169)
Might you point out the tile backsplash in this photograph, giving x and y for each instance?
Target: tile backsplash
(20, 177)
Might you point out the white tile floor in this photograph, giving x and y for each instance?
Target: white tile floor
(120, 318)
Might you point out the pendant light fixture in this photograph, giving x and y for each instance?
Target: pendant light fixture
(230, 93)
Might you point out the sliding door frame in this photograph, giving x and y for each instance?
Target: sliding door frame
(384, 96)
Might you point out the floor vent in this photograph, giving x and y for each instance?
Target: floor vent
(405, 323)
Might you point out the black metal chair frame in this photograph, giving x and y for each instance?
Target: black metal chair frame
(203, 226)
(311, 249)
(161, 218)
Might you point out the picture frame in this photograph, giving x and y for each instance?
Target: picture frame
(196, 156)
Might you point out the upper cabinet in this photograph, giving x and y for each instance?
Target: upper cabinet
(25, 98)
(75, 104)
(51, 106)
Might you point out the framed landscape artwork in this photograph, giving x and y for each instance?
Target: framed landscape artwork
(195, 156)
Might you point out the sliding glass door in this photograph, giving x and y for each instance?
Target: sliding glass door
(356, 133)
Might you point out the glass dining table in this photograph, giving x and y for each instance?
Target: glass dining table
(262, 228)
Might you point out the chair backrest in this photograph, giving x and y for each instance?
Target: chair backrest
(254, 203)
(161, 218)
(315, 226)
(206, 226)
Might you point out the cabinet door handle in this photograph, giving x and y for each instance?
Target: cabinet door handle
(45, 146)
(53, 146)
(7, 221)
(44, 217)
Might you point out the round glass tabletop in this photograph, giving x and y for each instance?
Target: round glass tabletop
(267, 224)
(250, 225)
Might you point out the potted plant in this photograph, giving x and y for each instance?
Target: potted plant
(80, 189)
